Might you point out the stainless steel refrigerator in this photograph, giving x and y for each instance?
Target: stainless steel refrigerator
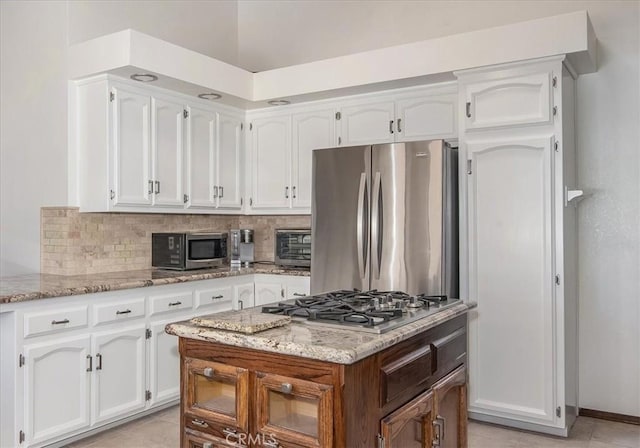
(385, 217)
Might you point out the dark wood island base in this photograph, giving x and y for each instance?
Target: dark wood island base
(412, 394)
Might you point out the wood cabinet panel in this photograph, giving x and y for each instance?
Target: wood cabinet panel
(450, 410)
(410, 426)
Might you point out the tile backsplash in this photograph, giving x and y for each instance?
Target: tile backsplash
(73, 243)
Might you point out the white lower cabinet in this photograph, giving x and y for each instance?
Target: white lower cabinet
(120, 369)
(57, 389)
(107, 356)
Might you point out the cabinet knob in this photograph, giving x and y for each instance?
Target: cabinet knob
(286, 388)
(208, 372)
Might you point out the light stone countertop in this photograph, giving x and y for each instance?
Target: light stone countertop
(315, 342)
(22, 288)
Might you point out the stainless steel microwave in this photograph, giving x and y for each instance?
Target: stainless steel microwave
(293, 247)
(185, 251)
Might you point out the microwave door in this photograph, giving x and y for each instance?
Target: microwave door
(340, 219)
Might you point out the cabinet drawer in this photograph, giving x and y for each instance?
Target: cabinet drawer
(407, 372)
(214, 300)
(195, 439)
(170, 302)
(511, 101)
(450, 351)
(112, 312)
(55, 320)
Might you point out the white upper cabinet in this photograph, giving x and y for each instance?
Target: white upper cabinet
(229, 166)
(201, 146)
(510, 101)
(167, 143)
(132, 184)
(427, 113)
(368, 123)
(311, 130)
(426, 117)
(271, 155)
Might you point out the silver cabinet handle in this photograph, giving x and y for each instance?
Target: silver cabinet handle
(200, 423)
(286, 192)
(127, 311)
(217, 297)
(157, 186)
(229, 432)
(175, 303)
(215, 192)
(286, 388)
(297, 294)
(221, 191)
(468, 109)
(59, 322)
(391, 126)
(208, 372)
(150, 191)
(294, 192)
(99, 358)
(240, 304)
(90, 368)
(438, 433)
(399, 120)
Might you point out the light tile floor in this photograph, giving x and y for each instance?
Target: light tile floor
(161, 430)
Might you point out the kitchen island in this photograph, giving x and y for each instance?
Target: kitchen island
(306, 386)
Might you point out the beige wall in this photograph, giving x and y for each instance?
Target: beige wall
(74, 243)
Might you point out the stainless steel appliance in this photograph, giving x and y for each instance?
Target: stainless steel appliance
(385, 217)
(234, 247)
(191, 250)
(247, 249)
(293, 247)
(369, 311)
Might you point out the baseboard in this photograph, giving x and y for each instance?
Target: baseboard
(612, 416)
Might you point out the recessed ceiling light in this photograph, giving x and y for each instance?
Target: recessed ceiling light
(279, 102)
(210, 96)
(144, 77)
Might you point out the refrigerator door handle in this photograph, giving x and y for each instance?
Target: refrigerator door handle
(362, 225)
(376, 226)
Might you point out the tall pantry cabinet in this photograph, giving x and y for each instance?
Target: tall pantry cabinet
(517, 156)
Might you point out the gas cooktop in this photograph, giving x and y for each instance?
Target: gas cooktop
(369, 311)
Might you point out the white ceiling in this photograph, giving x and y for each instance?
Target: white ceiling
(259, 35)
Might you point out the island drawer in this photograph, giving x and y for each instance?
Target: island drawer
(167, 303)
(105, 313)
(408, 371)
(195, 439)
(54, 321)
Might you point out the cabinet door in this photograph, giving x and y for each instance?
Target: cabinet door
(510, 101)
(411, 425)
(450, 410)
(131, 151)
(57, 388)
(269, 293)
(511, 274)
(167, 142)
(164, 364)
(367, 124)
(426, 117)
(217, 397)
(244, 296)
(229, 161)
(311, 130)
(120, 373)
(294, 411)
(201, 144)
(271, 164)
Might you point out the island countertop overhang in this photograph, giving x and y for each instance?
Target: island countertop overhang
(314, 342)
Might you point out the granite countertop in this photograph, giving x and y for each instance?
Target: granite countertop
(314, 342)
(22, 288)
